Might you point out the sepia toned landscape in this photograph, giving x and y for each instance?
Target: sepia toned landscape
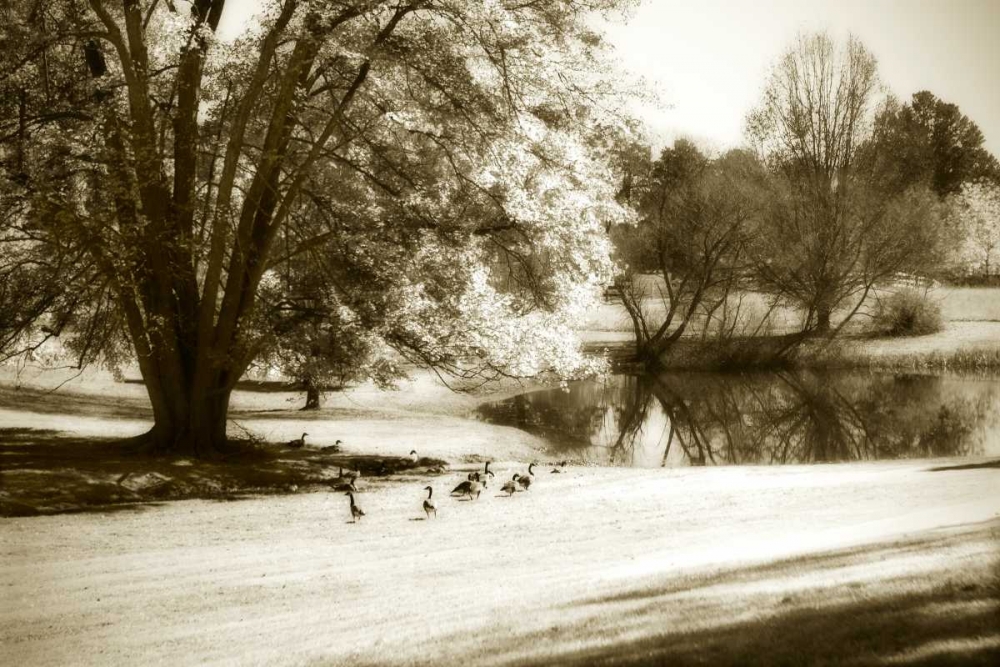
(499, 333)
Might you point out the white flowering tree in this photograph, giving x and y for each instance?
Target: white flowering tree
(977, 208)
(425, 176)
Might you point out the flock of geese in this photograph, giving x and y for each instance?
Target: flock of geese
(469, 488)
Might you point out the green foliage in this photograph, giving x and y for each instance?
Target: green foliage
(908, 312)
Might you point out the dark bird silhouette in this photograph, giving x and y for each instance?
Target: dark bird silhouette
(511, 486)
(468, 488)
(356, 512)
(344, 484)
(526, 480)
(335, 447)
(299, 442)
(429, 505)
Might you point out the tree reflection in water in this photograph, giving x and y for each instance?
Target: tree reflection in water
(772, 418)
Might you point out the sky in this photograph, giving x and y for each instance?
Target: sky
(709, 58)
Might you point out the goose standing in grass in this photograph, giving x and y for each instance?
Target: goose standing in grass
(413, 456)
(526, 480)
(429, 505)
(298, 443)
(483, 476)
(468, 488)
(356, 512)
(335, 447)
(511, 486)
(344, 484)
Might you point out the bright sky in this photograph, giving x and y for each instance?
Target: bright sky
(709, 58)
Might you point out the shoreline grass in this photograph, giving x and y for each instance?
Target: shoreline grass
(858, 353)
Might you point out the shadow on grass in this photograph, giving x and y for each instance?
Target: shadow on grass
(858, 606)
(968, 466)
(261, 386)
(69, 403)
(44, 473)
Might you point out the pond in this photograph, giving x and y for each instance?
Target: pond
(692, 419)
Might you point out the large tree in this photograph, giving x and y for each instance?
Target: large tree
(832, 231)
(437, 162)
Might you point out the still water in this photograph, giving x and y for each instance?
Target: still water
(692, 419)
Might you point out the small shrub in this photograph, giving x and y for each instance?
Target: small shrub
(908, 313)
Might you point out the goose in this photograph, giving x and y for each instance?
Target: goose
(511, 486)
(356, 512)
(335, 447)
(413, 456)
(526, 480)
(339, 484)
(483, 476)
(468, 488)
(299, 442)
(429, 504)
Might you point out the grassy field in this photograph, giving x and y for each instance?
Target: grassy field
(841, 565)
(958, 304)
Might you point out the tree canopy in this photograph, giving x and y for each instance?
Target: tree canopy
(429, 175)
(929, 142)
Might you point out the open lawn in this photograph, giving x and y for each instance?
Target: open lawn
(958, 304)
(875, 563)
(844, 564)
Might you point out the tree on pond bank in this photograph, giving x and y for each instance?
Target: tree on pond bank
(439, 164)
(832, 230)
(695, 217)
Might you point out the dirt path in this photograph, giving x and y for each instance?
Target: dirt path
(587, 566)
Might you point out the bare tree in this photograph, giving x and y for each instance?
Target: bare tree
(830, 234)
(695, 216)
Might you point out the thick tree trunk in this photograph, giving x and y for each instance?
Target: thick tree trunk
(189, 422)
(313, 397)
(823, 320)
(824, 311)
